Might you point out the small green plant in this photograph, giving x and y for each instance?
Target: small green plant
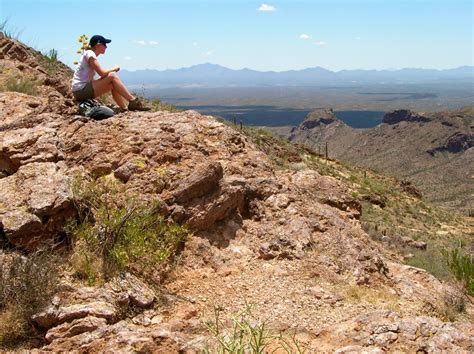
(461, 266)
(245, 335)
(27, 284)
(116, 231)
(52, 55)
(25, 85)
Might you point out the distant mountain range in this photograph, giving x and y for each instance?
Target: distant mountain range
(213, 75)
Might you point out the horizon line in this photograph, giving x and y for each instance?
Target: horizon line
(312, 67)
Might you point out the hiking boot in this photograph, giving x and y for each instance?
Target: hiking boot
(138, 105)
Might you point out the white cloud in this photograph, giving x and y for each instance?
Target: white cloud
(266, 8)
(357, 38)
(305, 36)
(195, 44)
(127, 58)
(143, 42)
(320, 43)
(209, 52)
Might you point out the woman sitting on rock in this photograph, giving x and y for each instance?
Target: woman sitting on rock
(85, 87)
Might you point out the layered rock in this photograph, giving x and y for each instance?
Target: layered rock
(49, 77)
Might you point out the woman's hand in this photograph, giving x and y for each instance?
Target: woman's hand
(94, 63)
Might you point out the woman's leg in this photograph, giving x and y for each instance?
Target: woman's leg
(119, 99)
(111, 82)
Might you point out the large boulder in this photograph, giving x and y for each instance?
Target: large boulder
(35, 203)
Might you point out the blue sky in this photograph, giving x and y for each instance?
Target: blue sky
(261, 35)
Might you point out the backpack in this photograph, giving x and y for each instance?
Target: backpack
(94, 110)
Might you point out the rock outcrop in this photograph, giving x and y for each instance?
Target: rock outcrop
(456, 143)
(317, 118)
(381, 331)
(404, 115)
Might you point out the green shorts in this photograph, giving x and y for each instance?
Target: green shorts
(86, 93)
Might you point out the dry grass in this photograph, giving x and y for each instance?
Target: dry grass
(22, 84)
(454, 303)
(379, 297)
(27, 284)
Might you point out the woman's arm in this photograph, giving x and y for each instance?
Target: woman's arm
(94, 64)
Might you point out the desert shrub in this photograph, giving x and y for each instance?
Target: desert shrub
(25, 85)
(430, 260)
(461, 267)
(116, 231)
(371, 185)
(50, 61)
(27, 285)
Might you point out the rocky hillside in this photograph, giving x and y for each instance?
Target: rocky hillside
(432, 150)
(258, 238)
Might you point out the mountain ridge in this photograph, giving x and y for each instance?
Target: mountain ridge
(433, 150)
(208, 74)
(214, 65)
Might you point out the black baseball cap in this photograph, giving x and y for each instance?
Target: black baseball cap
(95, 39)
